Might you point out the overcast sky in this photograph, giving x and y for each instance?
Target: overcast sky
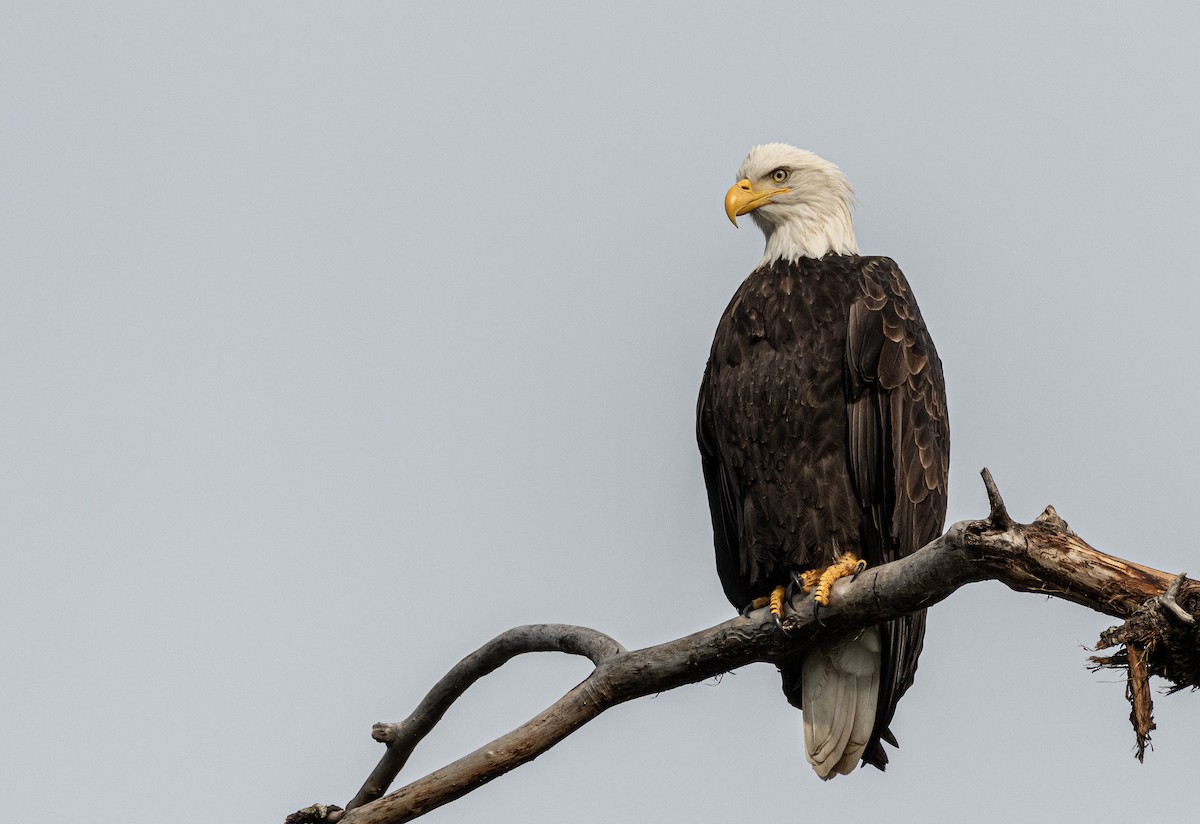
(337, 338)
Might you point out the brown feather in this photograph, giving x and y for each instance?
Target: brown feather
(822, 427)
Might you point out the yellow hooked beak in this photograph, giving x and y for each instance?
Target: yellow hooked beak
(742, 197)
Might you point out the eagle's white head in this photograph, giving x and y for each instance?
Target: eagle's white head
(800, 201)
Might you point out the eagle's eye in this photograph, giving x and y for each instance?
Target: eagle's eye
(779, 175)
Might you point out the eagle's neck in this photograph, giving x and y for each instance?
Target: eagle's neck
(810, 233)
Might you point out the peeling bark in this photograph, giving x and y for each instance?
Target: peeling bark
(1138, 692)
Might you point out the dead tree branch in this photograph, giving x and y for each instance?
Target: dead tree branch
(403, 738)
(1044, 557)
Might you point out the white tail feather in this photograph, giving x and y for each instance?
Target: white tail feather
(840, 688)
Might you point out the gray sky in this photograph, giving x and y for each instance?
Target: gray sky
(338, 338)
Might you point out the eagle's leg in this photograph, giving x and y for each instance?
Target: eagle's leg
(846, 565)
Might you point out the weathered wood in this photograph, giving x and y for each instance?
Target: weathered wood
(403, 738)
(1044, 557)
(1137, 690)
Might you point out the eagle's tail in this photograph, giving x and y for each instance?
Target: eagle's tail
(839, 694)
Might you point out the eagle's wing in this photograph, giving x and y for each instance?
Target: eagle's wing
(722, 501)
(899, 450)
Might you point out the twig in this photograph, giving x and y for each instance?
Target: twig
(998, 516)
(1167, 599)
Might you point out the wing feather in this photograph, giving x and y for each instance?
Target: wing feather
(899, 445)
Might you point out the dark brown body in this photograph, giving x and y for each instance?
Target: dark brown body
(822, 428)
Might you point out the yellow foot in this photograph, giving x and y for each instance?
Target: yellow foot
(777, 595)
(808, 580)
(774, 600)
(846, 565)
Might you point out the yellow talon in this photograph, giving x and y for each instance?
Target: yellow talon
(774, 601)
(777, 601)
(846, 565)
(808, 580)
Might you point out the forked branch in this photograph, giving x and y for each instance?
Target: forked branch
(1045, 557)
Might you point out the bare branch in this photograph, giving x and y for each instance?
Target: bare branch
(1044, 557)
(999, 514)
(403, 738)
(1167, 599)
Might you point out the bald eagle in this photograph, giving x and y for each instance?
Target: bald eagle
(824, 441)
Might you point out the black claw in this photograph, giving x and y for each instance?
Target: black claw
(796, 584)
